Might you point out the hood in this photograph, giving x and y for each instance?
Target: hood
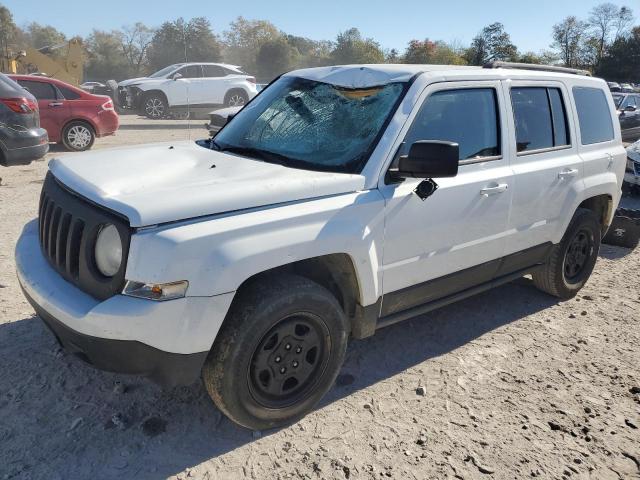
(131, 81)
(152, 184)
(633, 151)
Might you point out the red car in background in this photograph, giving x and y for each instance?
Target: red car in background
(70, 115)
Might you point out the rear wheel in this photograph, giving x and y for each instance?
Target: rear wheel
(571, 262)
(278, 352)
(78, 136)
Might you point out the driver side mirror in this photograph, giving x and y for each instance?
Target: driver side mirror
(430, 159)
(176, 76)
(630, 108)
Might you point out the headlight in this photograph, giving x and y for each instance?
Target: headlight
(108, 251)
(156, 291)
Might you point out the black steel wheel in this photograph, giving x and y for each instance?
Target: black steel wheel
(571, 261)
(279, 350)
(576, 258)
(289, 360)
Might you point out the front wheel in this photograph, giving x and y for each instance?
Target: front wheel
(571, 261)
(236, 98)
(155, 106)
(78, 136)
(278, 352)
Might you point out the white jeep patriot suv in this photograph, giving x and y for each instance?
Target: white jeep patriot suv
(340, 200)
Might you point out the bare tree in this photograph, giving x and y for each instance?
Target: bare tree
(622, 22)
(602, 19)
(135, 41)
(569, 37)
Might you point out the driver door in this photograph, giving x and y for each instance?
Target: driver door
(455, 238)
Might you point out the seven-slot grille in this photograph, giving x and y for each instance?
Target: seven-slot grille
(60, 236)
(68, 228)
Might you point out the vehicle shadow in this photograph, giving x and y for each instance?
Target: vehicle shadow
(60, 416)
(165, 125)
(611, 252)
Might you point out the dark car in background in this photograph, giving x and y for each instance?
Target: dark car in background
(628, 105)
(21, 138)
(70, 115)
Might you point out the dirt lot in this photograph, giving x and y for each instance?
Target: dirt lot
(515, 385)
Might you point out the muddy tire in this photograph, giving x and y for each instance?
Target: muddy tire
(278, 352)
(571, 261)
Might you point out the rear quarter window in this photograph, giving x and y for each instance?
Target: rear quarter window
(68, 94)
(594, 115)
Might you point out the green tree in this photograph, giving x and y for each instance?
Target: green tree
(39, 36)
(274, 58)
(492, 43)
(8, 29)
(105, 59)
(311, 53)
(181, 41)
(244, 39)
(621, 63)
(350, 47)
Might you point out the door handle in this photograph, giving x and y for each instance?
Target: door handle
(494, 189)
(55, 104)
(568, 173)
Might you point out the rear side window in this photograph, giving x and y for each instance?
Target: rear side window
(40, 90)
(540, 118)
(594, 115)
(68, 94)
(213, 71)
(468, 117)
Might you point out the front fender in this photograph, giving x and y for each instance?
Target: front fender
(217, 254)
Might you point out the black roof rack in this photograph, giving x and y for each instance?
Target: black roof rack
(532, 66)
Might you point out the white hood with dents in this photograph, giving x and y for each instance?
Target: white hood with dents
(152, 184)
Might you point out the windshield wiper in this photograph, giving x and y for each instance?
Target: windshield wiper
(258, 154)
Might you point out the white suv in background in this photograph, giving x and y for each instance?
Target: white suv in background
(184, 88)
(339, 201)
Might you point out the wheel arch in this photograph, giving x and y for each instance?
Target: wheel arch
(602, 206)
(335, 272)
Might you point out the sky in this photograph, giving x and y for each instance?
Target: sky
(392, 23)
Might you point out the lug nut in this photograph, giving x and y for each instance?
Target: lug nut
(282, 370)
(287, 346)
(295, 364)
(278, 358)
(298, 350)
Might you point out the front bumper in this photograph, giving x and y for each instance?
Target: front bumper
(166, 341)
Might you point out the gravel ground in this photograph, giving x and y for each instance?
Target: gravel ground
(508, 384)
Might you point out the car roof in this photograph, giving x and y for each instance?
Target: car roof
(363, 76)
(227, 65)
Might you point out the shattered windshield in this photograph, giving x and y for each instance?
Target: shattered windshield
(307, 124)
(165, 71)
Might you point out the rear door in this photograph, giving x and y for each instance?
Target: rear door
(54, 109)
(215, 84)
(547, 168)
(455, 238)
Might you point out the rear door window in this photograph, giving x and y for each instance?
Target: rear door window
(468, 117)
(40, 90)
(594, 115)
(540, 118)
(68, 94)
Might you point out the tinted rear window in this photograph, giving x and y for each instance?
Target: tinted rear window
(40, 90)
(540, 118)
(594, 115)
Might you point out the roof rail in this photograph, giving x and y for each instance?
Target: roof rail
(532, 66)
